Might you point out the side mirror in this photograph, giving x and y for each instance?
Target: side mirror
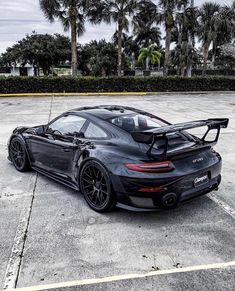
(40, 130)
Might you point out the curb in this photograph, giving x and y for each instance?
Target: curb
(78, 94)
(115, 94)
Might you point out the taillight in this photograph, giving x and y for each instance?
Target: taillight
(153, 167)
(151, 189)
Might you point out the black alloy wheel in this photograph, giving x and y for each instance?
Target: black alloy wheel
(96, 187)
(18, 155)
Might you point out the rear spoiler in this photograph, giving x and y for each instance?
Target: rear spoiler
(151, 136)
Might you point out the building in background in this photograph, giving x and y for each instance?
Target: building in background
(18, 70)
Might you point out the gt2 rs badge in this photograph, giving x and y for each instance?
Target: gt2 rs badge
(197, 160)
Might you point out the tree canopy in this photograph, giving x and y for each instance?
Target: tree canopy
(40, 50)
(98, 58)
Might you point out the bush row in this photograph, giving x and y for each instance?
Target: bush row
(114, 84)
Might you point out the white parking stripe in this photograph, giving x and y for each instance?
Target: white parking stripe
(222, 204)
(14, 264)
(126, 277)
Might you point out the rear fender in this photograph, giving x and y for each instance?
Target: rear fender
(83, 160)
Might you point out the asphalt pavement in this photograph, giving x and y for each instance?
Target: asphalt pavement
(48, 234)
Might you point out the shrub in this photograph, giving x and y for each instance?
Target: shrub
(114, 84)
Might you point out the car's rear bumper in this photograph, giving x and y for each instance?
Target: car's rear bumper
(149, 203)
(181, 189)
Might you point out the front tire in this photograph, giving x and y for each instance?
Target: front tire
(18, 155)
(95, 185)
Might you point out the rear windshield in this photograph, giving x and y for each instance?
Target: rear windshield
(137, 122)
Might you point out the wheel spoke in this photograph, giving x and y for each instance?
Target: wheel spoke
(18, 162)
(18, 146)
(102, 197)
(91, 174)
(92, 197)
(90, 192)
(88, 181)
(13, 147)
(86, 174)
(88, 186)
(94, 173)
(96, 199)
(105, 193)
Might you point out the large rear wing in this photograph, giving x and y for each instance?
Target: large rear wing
(161, 133)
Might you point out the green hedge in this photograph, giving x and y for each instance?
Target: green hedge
(114, 84)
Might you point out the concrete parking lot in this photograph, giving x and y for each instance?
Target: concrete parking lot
(49, 235)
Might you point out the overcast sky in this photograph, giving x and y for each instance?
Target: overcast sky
(21, 17)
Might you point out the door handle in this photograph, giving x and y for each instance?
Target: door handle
(66, 150)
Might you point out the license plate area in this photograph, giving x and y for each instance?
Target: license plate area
(201, 180)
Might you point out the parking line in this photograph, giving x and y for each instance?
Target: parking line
(222, 205)
(15, 260)
(126, 277)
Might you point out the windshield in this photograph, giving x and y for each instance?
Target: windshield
(137, 122)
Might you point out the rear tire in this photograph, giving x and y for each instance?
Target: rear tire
(18, 155)
(95, 185)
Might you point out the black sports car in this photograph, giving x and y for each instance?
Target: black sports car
(122, 156)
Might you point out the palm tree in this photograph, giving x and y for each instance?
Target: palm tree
(115, 38)
(118, 11)
(167, 17)
(208, 15)
(150, 55)
(72, 14)
(186, 23)
(224, 27)
(192, 15)
(145, 32)
(145, 22)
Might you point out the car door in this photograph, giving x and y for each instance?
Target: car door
(55, 151)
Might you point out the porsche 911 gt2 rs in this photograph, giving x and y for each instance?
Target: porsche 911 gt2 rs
(121, 156)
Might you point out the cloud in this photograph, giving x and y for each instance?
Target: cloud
(21, 17)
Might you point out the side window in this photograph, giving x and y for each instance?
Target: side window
(94, 131)
(69, 125)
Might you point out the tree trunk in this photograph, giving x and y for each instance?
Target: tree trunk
(147, 63)
(178, 67)
(205, 57)
(213, 55)
(133, 61)
(45, 70)
(191, 45)
(167, 51)
(103, 72)
(180, 48)
(119, 48)
(73, 23)
(213, 61)
(182, 68)
(189, 57)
